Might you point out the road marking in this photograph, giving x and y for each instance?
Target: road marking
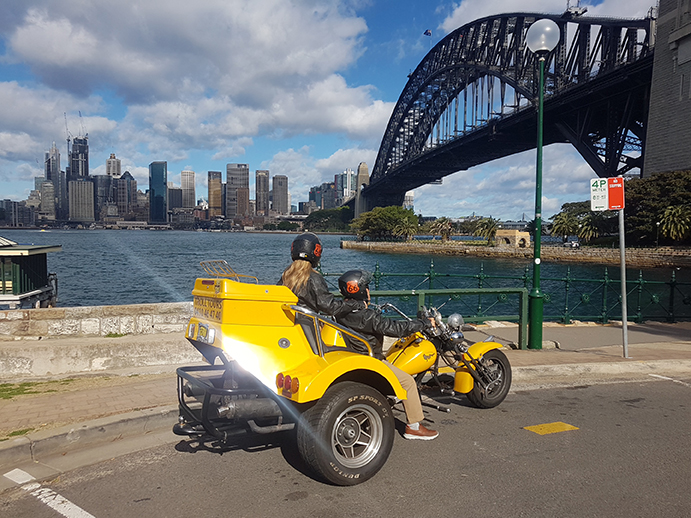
(670, 379)
(544, 429)
(47, 496)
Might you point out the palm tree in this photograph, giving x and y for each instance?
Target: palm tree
(676, 222)
(487, 228)
(406, 228)
(564, 224)
(589, 227)
(442, 227)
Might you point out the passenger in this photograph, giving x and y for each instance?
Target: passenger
(354, 286)
(308, 284)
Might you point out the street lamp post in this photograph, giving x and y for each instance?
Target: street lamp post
(542, 38)
(657, 238)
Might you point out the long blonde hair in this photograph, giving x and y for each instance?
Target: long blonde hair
(296, 275)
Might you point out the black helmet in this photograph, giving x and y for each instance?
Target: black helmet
(306, 247)
(354, 284)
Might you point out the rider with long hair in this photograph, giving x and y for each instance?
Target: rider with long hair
(308, 284)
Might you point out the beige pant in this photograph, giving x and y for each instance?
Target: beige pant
(412, 405)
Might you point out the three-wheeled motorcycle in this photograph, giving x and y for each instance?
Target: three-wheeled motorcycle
(275, 366)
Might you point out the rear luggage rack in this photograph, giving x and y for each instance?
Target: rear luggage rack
(221, 268)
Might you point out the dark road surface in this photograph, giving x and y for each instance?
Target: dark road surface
(630, 456)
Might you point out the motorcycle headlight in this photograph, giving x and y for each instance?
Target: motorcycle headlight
(455, 321)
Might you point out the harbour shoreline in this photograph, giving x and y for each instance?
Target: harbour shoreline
(664, 257)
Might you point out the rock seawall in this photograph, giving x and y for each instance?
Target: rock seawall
(635, 257)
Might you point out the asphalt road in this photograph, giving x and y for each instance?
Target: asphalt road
(630, 456)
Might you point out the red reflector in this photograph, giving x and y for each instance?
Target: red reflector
(279, 380)
(208, 282)
(287, 383)
(294, 386)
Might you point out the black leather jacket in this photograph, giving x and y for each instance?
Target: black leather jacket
(316, 296)
(372, 325)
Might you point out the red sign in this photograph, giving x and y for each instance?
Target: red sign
(615, 193)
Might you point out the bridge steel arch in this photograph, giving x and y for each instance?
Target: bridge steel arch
(473, 97)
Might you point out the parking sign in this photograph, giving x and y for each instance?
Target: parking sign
(598, 194)
(606, 194)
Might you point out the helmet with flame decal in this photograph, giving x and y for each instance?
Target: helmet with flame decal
(306, 247)
(354, 283)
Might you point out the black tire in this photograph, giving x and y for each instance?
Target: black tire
(347, 436)
(499, 369)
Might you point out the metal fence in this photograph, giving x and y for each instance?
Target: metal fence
(480, 297)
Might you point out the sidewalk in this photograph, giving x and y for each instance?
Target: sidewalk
(66, 415)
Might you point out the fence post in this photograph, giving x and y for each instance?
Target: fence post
(605, 285)
(523, 320)
(377, 275)
(567, 317)
(639, 314)
(673, 285)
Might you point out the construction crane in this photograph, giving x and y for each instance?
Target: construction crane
(575, 10)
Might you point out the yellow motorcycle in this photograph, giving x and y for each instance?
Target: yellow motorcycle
(274, 366)
(481, 370)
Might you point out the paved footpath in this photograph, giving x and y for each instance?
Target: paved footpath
(87, 410)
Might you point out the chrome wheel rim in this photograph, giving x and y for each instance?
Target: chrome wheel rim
(357, 436)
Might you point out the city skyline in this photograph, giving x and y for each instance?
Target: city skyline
(308, 100)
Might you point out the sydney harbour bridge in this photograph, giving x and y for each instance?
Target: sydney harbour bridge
(473, 99)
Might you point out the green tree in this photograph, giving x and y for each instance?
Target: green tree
(487, 228)
(676, 222)
(442, 227)
(648, 198)
(380, 222)
(564, 224)
(329, 220)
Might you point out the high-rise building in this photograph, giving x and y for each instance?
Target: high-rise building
(126, 193)
(243, 202)
(215, 194)
(188, 190)
(113, 166)
(409, 200)
(261, 191)
(281, 203)
(103, 193)
(174, 197)
(48, 200)
(79, 159)
(81, 200)
(237, 177)
(57, 178)
(346, 185)
(158, 192)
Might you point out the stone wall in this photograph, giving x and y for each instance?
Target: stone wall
(137, 319)
(635, 257)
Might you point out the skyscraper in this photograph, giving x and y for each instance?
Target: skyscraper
(79, 159)
(81, 200)
(280, 194)
(215, 181)
(126, 193)
(237, 176)
(346, 185)
(57, 178)
(188, 190)
(158, 192)
(261, 191)
(113, 166)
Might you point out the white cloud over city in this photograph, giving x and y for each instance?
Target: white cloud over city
(303, 88)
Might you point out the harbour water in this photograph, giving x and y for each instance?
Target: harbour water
(107, 267)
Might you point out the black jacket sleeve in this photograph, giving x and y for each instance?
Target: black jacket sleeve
(317, 296)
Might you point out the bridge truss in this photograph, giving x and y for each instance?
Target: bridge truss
(472, 99)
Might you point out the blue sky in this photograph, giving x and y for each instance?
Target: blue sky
(302, 88)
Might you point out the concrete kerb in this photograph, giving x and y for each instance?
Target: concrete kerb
(603, 370)
(59, 441)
